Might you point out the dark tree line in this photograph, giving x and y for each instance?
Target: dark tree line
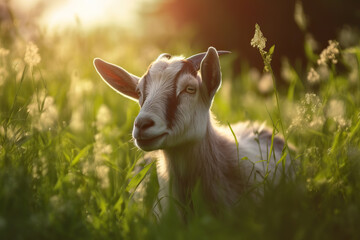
(229, 24)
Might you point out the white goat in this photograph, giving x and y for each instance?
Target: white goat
(175, 118)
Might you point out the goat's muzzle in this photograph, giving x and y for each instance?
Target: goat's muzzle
(147, 134)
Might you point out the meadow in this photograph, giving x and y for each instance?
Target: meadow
(67, 161)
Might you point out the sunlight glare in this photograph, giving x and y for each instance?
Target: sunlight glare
(89, 13)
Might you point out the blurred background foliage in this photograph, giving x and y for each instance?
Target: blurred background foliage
(229, 24)
(67, 162)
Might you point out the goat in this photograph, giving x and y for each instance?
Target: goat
(175, 118)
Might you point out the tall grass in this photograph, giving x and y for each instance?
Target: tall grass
(67, 163)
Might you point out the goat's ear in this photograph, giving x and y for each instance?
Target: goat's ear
(117, 78)
(210, 71)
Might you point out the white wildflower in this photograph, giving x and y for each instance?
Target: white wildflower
(336, 108)
(311, 152)
(3, 75)
(49, 115)
(43, 112)
(286, 72)
(101, 148)
(87, 167)
(18, 65)
(71, 176)
(35, 172)
(329, 53)
(258, 41)
(13, 133)
(313, 101)
(32, 57)
(254, 75)
(313, 77)
(308, 113)
(79, 88)
(55, 201)
(265, 84)
(316, 122)
(336, 111)
(102, 172)
(351, 60)
(78, 93)
(354, 75)
(299, 16)
(77, 119)
(323, 72)
(82, 88)
(4, 52)
(103, 117)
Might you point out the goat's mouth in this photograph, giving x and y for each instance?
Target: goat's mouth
(149, 144)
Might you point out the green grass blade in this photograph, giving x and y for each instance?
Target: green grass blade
(236, 142)
(138, 178)
(80, 155)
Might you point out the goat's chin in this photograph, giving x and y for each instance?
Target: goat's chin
(147, 148)
(151, 144)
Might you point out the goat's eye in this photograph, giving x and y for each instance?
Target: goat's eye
(190, 89)
(138, 93)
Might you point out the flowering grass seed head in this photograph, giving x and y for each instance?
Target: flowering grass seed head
(313, 77)
(258, 41)
(329, 54)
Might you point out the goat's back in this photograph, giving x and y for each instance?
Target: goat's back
(254, 145)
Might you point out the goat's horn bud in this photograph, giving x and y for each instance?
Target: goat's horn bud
(197, 58)
(164, 55)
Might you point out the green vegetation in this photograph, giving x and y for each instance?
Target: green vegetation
(67, 162)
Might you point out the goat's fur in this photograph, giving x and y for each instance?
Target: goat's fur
(175, 98)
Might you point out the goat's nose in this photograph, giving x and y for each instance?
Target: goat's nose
(144, 123)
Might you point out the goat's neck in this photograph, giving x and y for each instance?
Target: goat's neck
(208, 161)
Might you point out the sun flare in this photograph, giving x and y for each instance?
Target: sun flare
(88, 13)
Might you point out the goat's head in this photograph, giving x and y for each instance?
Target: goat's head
(174, 98)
